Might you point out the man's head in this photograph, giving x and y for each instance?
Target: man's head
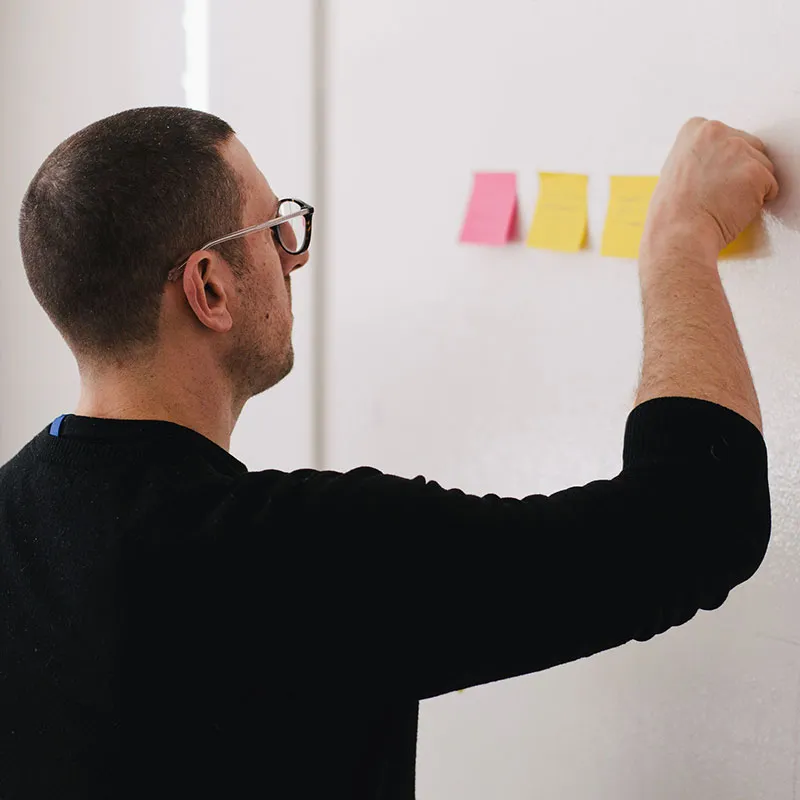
(118, 205)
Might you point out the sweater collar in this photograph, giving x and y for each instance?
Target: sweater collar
(129, 433)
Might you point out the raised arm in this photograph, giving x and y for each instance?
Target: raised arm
(426, 590)
(713, 185)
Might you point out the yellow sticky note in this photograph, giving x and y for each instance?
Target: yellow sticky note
(627, 212)
(747, 244)
(560, 219)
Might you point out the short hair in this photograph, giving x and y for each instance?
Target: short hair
(113, 209)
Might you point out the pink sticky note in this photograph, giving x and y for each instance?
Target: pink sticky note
(492, 212)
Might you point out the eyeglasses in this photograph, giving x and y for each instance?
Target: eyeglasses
(292, 230)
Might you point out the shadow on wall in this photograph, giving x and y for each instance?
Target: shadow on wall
(783, 145)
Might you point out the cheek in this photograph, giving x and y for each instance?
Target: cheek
(268, 291)
(268, 282)
(266, 255)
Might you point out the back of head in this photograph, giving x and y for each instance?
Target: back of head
(113, 209)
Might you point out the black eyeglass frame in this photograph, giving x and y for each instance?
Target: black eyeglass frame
(305, 210)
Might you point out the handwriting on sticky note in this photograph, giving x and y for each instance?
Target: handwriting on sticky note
(560, 219)
(492, 209)
(627, 212)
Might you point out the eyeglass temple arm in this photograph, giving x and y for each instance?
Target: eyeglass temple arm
(173, 273)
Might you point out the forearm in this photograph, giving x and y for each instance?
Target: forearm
(691, 345)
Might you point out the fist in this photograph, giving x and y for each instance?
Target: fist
(713, 184)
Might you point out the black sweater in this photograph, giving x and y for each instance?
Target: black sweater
(172, 625)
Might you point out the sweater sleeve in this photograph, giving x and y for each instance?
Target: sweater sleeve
(457, 590)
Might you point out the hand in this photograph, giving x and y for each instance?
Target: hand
(712, 186)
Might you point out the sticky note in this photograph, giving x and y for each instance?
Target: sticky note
(627, 212)
(748, 243)
(492, 211)
(561, 216)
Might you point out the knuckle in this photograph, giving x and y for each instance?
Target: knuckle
(753, 176)
(693, 124)
(715, 129)
(738, 147)
(755, 171)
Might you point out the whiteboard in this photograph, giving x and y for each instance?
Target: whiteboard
(512, 370)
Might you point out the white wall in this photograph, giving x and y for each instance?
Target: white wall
(513, 370)
(63, 64)
(261, 74)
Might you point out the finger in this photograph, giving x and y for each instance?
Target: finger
(771, 187)
(762, 158)
(753, 141)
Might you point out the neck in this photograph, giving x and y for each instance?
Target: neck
(161, 389)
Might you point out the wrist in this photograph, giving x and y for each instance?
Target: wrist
(678, 240)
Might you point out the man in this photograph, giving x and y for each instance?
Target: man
(173, 624)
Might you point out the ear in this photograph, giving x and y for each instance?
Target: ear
(207, 284)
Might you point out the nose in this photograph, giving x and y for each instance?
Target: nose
(292, 263)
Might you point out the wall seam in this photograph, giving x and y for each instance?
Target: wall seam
(319, 187)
